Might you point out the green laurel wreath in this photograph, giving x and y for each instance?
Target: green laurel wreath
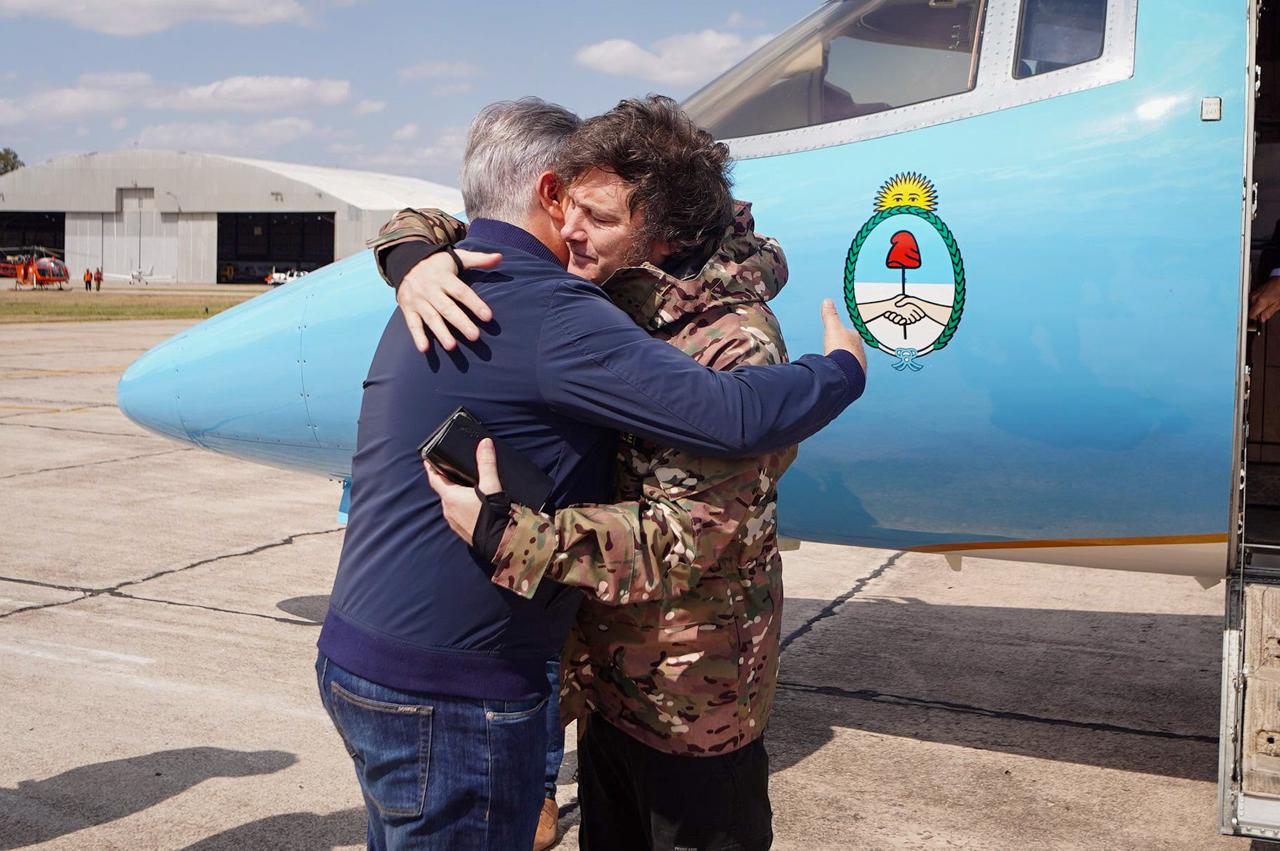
(957, 269)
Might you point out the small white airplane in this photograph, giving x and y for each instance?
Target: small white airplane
(138, 276)
(275, 279)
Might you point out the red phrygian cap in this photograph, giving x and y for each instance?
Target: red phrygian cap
(904, 253)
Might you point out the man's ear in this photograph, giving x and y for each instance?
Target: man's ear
(659, 251)
(550, 196)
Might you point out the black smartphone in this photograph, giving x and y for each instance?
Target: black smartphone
(452, 449)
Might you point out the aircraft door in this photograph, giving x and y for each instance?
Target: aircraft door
(1249, 774)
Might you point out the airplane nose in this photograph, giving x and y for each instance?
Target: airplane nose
(231, 383)
(274, 380)
(148, 390)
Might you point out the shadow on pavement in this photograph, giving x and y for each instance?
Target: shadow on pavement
(40, 810)
(1130, 691)
(312, 608)
(292, 830)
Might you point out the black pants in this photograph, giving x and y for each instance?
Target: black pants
(635, 797)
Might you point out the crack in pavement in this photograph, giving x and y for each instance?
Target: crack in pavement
(86, 351)
(113, 591)
(29, 410)
(873, 696)
(39, 606)
(277, 618)
(137, 434)
(253, 551)
(55, 402)
(27, 373)
(830, 608)
(96, 463)
(40, 584)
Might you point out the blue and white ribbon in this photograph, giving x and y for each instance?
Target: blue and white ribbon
(906, 359)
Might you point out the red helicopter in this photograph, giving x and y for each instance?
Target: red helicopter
(34, 267)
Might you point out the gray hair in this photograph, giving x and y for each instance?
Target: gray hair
(509, 144)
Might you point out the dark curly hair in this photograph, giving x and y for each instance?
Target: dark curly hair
(679, 174)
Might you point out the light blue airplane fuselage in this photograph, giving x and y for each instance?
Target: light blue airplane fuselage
(1089, 391)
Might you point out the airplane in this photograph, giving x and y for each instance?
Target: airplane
(275, 279)
(1040, 216)
(138, 276)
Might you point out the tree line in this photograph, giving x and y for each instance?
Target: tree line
(9, 160)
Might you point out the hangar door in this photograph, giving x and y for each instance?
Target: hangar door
(23, 230)
(252, 245)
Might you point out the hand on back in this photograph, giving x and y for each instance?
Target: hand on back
(432, 299)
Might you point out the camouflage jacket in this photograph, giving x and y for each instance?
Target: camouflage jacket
(677, 640)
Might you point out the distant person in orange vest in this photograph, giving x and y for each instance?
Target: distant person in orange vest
(88, 281)
(97, 279)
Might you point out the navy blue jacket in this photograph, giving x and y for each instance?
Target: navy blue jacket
(556, 375)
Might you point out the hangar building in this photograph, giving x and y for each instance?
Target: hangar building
(201, 218)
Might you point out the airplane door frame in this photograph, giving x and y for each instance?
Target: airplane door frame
(1241, 813)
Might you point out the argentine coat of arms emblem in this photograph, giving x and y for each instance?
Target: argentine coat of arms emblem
(905, 316)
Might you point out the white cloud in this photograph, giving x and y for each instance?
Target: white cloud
(113, 91)
(224, 136)
(438, 160)
(119, 122)
(679, 60)
(369, 107)
(75, 102)
(446, 89)
(405, 133)
(284, 130)
(93, 94)
(440, 71)
(143, 17)
(257, 94)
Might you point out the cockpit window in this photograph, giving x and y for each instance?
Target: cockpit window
(1058, 34)
(848, 59)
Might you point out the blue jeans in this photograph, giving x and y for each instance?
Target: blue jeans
(555, 733)
(440, 772)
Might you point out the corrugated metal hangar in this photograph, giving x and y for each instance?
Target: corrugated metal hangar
(201, 218)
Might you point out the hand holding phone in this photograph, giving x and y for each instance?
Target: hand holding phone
(451, 448)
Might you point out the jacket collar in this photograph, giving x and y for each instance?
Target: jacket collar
(508, 235)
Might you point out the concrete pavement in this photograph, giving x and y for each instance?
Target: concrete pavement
(159, 607)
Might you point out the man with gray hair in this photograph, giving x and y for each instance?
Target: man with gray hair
(433, 675)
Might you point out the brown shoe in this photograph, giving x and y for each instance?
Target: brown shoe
(548, 826)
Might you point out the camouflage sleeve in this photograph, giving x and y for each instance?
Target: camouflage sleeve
(429, 225)
(627, 552)
(632, 552)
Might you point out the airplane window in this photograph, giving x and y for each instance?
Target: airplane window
(1057, 34)
(850, 58)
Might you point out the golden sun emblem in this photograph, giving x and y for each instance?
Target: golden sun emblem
(907, 190)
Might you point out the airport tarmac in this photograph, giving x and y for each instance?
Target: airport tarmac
(159, 607)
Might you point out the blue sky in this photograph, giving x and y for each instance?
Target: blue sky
(371, 84)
